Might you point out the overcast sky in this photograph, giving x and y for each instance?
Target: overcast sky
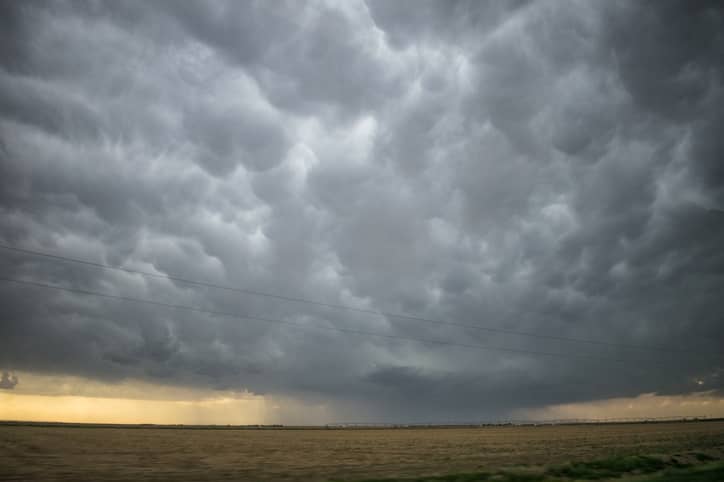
(553, 168)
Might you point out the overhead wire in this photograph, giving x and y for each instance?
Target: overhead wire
(195, 309)
(381, 313)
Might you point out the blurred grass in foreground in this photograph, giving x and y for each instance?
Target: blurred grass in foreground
(628, 469)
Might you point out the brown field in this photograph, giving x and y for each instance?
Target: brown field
(72, 453)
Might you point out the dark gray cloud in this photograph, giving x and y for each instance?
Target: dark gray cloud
(550, 168)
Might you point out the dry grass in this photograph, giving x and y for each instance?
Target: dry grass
(64, 453)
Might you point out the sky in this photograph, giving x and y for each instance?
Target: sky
(453, 210)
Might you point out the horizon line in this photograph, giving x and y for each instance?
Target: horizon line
(372, 425)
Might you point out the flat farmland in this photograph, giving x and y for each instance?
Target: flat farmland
(124, 454)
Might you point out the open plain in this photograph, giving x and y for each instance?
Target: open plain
(122, 454)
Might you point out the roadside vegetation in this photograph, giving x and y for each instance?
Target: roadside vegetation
(691, 467)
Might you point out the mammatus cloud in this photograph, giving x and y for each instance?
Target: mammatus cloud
(551, 169)
(8, 381)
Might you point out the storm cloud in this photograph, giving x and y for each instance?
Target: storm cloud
(547, 168)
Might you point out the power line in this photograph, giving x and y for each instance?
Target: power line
(536, 387)
(304, 327)
(528, 387)
(333, 305)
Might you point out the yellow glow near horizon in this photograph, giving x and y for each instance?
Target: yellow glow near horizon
(648, 405)
(51, 398)
(82, 409)
(66, 398)
(62, 398)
